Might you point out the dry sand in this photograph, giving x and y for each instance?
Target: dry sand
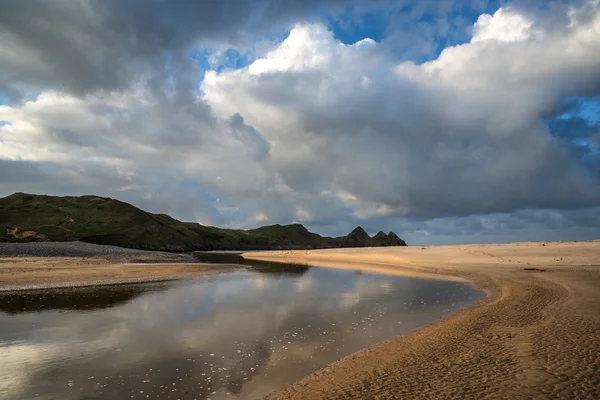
(536, 336)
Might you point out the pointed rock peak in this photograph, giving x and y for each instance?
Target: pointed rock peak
(380, 235)
(358, 231)
(396, 241)
(359, 235)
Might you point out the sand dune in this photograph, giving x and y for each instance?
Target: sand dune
(537, 335)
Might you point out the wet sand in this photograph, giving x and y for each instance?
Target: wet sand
(537, 335)
(48, 265)
(42, 273)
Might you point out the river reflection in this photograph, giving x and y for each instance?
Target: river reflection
(77, 298)
(238, 335)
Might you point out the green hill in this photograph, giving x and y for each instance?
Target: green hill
(28, 218)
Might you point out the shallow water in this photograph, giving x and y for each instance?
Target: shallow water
(237, 335)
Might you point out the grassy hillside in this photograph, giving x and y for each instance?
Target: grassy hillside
(27, 217)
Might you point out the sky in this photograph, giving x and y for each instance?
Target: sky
(444, 121)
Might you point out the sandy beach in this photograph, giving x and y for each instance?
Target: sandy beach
(537, 335)
(46, 265)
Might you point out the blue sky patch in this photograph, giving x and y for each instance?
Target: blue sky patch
(3, 99)
(349, 28)
(577, 126)
(219, 60)
(577, 117)
(585, 108)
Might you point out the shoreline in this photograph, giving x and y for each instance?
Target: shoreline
(50, 265)
(35, 266)
(536, 334)
(121, 281)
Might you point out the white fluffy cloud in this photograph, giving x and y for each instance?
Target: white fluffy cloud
(504, 26)
(329, 134)
(461, 134)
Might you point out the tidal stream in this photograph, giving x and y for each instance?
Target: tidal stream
(238, 335)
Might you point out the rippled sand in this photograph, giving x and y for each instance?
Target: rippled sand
(537, 335)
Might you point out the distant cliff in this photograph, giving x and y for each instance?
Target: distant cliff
(29, 218)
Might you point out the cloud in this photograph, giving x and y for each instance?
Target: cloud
(503, 26)
(461, 134)
(313, 130)
(84, 46)
(133, 146)
(209, 345)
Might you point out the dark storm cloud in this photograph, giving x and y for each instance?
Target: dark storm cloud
(82, 46)
(523, 225)
(330, 135)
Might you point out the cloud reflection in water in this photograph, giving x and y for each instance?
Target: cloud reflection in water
(234, 335)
